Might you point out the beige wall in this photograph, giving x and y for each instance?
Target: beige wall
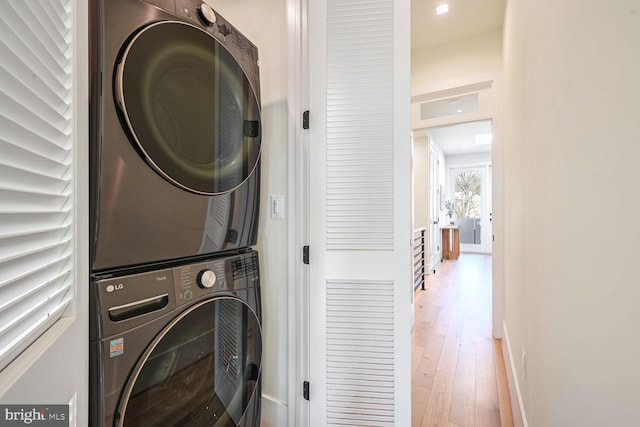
(474, 56)
(571, 150)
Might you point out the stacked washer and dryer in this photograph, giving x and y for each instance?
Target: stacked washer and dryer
(175, 327)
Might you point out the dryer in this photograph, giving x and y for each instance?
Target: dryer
(177, 347)
(175, 133)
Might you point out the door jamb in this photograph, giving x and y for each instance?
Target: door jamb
(298, 213)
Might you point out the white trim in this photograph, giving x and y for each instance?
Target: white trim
(452, 120)
(297, 411)
(449, 86)
(451, 92)
(15, 370)
(518, 412)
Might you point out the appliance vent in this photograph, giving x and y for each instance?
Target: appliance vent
(360, 353)
(360, 125)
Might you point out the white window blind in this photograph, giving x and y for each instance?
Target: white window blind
(36, 170)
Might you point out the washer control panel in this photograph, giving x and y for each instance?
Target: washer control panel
(195, 280)
(216, 275)
(128, 301)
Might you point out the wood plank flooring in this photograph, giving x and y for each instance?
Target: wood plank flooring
(453, 351)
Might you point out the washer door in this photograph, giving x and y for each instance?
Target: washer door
(189, 107)
(201, 370)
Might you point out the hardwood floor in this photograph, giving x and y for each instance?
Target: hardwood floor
(453, 351)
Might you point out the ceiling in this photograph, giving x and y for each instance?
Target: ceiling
(461, 138)
(466, 18)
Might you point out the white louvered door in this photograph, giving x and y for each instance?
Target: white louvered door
(360, 213)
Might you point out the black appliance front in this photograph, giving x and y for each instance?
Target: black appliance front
(178, 347)
(175, 133)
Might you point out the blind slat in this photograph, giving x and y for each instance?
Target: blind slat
(21, 282)
(12, 224)
(15, 27)
(15, 311)
(24, 159)
(25, 180)
(56, 132)
(18, 343)
(16, 134)
(33, 79)
(16, 90)
(52, 23)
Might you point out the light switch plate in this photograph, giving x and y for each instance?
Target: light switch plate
(277, 207)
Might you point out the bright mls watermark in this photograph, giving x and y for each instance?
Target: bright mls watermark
(34, 415)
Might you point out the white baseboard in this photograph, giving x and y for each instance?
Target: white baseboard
(274, 412)
(518, 412)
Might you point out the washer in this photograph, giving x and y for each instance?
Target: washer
(177, 347)
(175, 133)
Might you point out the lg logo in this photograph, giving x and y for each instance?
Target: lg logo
(117, 287)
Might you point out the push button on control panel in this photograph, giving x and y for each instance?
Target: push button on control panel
(206, 14)
(206, 279)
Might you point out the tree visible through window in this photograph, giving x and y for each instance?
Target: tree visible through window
(467, 194)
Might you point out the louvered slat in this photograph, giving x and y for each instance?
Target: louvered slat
(360, 353)
(36, 189)
(359, 160)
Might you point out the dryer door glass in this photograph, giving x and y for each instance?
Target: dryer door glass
(189, 107)
(201, 370)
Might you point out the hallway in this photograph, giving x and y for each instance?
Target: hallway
(453, 367)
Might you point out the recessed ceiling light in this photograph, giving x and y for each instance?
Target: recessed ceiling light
(459, 110)
(442, 9)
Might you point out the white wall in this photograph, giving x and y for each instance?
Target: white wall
(264, 23)
(477, 55)
(571, 149)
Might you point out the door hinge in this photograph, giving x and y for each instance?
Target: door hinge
(305, 120)
(305, 254)
(305, 390)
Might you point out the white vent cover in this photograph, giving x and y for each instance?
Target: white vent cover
(360, 353)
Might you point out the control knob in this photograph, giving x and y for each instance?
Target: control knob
(206, 279)
(206, 14)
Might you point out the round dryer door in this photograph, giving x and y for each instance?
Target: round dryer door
(189, 107)
(201, 370)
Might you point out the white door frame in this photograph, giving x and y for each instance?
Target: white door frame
(435, 202)
(298, 214)
(298, 210)
(491, 82)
